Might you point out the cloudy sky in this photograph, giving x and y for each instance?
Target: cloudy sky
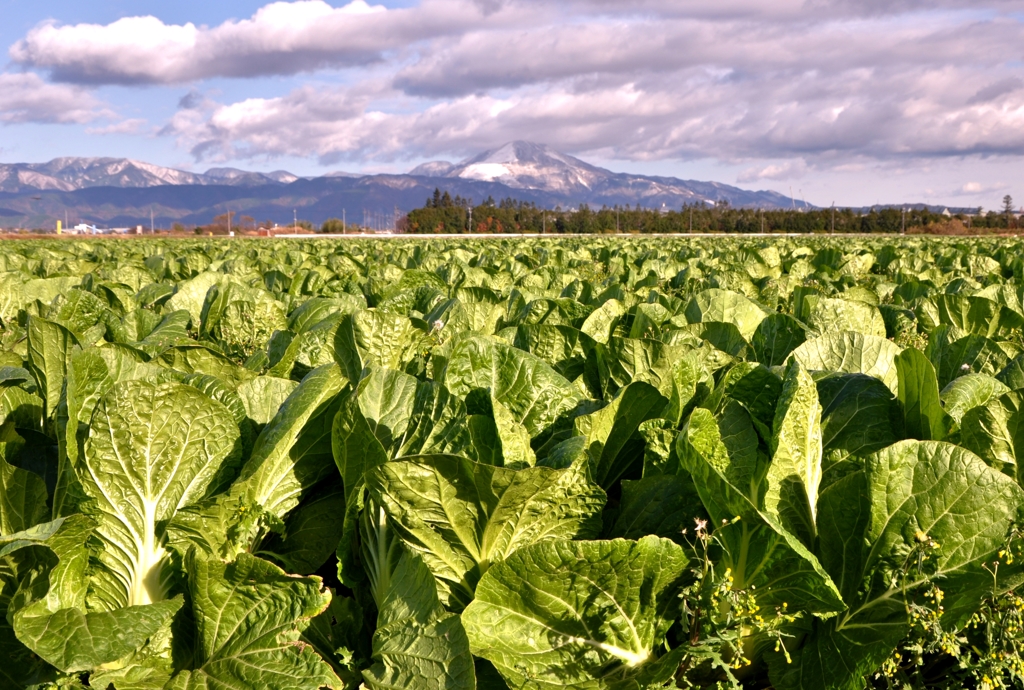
(852, 101)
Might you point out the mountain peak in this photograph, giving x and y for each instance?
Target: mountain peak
(526, 153)
(514, 152)
(234, 176)
(527, 165)
(432, 169)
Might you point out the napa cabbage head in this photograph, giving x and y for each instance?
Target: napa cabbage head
(152, 449)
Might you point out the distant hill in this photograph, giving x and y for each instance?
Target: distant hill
(122, 192)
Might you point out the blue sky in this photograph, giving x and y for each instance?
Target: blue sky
(851, 101)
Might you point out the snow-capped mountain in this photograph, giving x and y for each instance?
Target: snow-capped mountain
(520, 169)
(19, 179)
(118, 191)
(69, 174)
(522, 165)
(244, 177)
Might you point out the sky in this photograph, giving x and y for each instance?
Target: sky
(833, 101)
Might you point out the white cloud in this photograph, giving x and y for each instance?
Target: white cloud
(978, 189)
(344, 123)
(775, 90)
(26, 98)
(280, 38)
(734, 50)
(664, 81)
(514, 39)
(849, 117)
(792, 10)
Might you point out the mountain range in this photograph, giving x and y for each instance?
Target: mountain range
(71, 174)
(123, 192)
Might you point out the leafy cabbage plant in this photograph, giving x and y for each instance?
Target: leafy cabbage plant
(593, 465)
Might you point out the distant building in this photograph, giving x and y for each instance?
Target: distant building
(86, 229)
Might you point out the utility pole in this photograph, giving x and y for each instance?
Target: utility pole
(833, 217)
(295, 220)
(342, 221)
(229, 222)
(903, 222)
(616, 220)
(152, 227)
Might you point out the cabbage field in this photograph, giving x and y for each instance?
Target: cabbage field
(515, 464)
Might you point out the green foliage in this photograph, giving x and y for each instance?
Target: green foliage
(522, 463)
(443, 214)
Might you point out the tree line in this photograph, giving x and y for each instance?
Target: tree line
(444, 214)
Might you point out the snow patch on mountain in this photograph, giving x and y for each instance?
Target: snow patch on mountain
(486, 171)
(432, 169)
(525, 165)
